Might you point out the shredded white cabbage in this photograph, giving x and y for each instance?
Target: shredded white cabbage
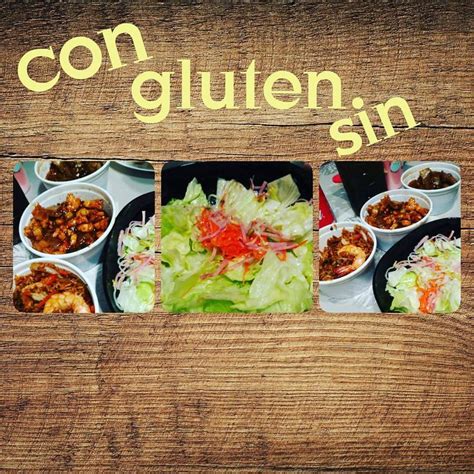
(135, 283)
(429, 280)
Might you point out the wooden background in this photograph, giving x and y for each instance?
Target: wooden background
(314, 390)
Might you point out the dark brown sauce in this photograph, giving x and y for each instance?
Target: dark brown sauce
(429, 179)
(69, 170)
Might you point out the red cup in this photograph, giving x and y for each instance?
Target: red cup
(326, 217)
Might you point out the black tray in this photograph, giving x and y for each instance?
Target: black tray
(402, 249)
(176, 175)
(131, 212)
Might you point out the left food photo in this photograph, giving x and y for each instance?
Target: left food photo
(84, 236)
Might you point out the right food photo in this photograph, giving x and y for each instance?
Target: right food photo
(389, 237)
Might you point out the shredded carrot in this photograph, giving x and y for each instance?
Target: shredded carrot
(229, 238)
(424, 298)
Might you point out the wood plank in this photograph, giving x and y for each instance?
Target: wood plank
(224, 390)
(420, 52)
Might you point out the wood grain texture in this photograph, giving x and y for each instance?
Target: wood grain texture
(194, 392)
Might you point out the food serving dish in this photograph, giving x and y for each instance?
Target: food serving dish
(131, 212)
(236, 237)
(402, 249)
(84, 258)
(98, 177)
(24, 268)
(341, 285)
(137, 165)
(387, 237)
(442, 199)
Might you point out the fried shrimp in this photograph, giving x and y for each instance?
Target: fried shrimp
(354, 252)
(66, 302)
(345, 253)
(51, 289)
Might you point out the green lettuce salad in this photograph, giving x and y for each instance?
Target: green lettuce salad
(239, 250)
(429, 281)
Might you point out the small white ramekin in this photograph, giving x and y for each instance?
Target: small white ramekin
(386, 237)
(442, 199)
(87, 257)
(24, 268)
(99, 177)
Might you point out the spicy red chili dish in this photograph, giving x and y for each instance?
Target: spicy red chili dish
(50, 289)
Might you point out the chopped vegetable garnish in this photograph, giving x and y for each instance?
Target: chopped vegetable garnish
(135, 283)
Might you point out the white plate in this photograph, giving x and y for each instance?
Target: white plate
(137, 165)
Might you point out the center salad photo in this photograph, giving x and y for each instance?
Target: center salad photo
(237, 237)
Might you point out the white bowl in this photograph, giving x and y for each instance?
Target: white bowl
(443, 199)
(99, 177)
(89, 256)
(24, 268)
(386, 237)
(342, 286)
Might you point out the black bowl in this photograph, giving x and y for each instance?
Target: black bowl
(402, 249)
(176, 175)
(131, 212)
